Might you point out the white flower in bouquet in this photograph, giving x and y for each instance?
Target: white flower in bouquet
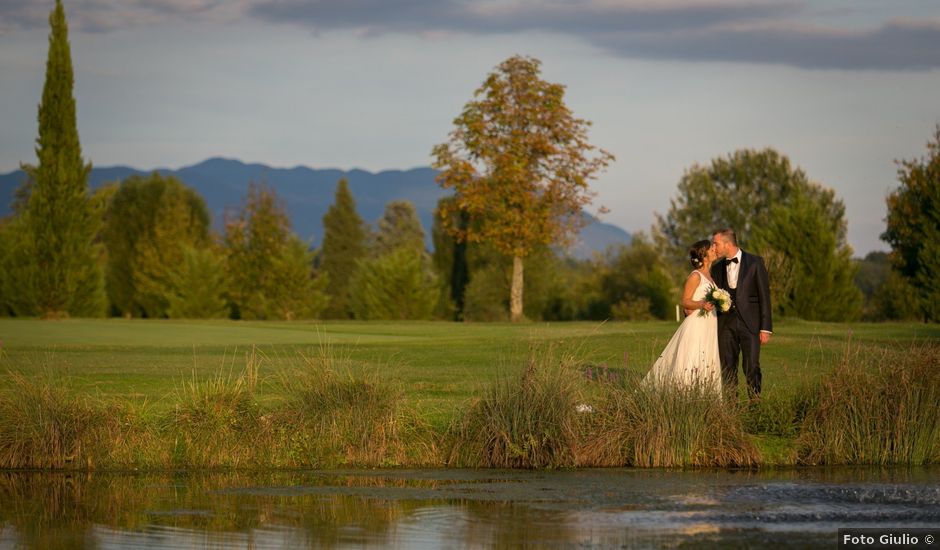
(722, 299)
(719, 298)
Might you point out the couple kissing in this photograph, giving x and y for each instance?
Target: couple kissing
(727, 301)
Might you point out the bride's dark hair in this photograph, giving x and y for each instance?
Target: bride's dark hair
(699, 252)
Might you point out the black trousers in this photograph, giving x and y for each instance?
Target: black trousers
(734, 341)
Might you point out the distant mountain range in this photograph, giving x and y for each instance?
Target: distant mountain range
(308, 193)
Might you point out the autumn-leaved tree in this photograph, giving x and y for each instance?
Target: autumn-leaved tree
(519, 164)
(913, 227)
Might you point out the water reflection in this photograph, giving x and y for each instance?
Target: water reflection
(458, 508)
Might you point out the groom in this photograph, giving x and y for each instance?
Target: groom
(743, 329)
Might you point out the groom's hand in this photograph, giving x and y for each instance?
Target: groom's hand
(764, 337)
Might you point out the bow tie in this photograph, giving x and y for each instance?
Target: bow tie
(732, 260)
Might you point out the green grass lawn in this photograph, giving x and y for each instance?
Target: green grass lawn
(439, 365)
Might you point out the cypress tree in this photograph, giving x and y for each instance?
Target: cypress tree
(450, 260)
(344, 244)
(56, 254)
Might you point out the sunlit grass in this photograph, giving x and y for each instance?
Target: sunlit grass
(876, 409)
(116, 393)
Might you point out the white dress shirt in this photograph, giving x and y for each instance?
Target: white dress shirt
(733, 269)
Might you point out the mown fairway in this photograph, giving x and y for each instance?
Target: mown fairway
(439, 365)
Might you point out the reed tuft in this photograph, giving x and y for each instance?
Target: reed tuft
(336, 417)
(647, 426)
(43, 425)
(876, 409)
(524, 422)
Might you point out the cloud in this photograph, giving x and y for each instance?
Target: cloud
(108, 15)
(751, 31)
(769, 32)
(895, 45)
(579, 17)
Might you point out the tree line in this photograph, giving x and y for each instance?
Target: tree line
(157, 257)
(518, 163)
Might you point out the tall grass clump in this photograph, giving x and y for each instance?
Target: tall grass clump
(44, 425)
(529, 421)
(645, 425)
(215, 422)
(876, 409)
(334, 417)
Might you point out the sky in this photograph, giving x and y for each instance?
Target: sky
(844, 88)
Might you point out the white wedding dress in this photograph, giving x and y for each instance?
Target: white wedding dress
(691, 356)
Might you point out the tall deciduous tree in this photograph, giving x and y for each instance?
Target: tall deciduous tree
(913, 226)
(738, 191)
(148, 224)
(57, 265)
(774, 208)
(344, 244)
(823, 287)
(519, 164)
(269, 268)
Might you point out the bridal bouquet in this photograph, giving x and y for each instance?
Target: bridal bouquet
(717, 297)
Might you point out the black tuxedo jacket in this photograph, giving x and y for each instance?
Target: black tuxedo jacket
(753, 292)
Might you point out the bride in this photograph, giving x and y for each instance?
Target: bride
(691, 356)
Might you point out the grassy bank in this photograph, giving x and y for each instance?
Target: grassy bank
(117, 393)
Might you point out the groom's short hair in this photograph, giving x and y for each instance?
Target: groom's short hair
(728, 234)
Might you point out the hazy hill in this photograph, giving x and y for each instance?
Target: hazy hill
(308, 193)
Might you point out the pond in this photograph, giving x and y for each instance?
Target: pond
(460, 508)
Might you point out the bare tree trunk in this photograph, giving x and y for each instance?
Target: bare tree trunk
(515, 292)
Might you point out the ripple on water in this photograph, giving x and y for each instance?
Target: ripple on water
(462, 508)
(874, 493)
